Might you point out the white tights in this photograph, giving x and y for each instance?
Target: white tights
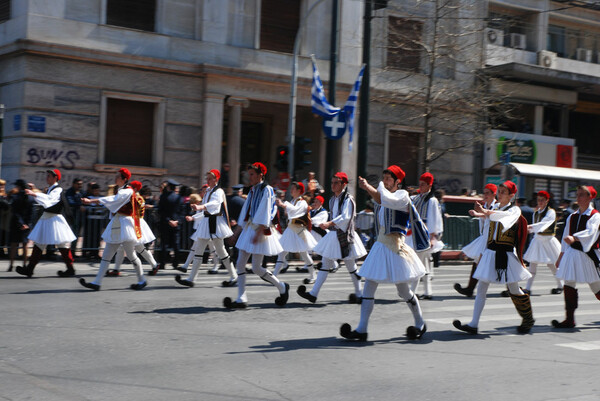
(533, 270)
(139, 248)
(368, 302)
(328, 265)
(257, 269)
(482, 288)
(219, 248)
(109, 252)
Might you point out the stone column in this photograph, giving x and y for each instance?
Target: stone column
(212, 134)
(234, 136)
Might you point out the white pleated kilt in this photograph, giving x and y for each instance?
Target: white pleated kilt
(486, 269)
(52, 229)
(316, 236)
(436, 246)
(329, 247)
(120, 229)
(542, 249)
(577, 266)
(384, 266)
(475, 248)
(223, 230)
(292, 242)
(147, 234)
(269, 244)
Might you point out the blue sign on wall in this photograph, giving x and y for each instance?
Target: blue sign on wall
(17, 122)
(36, 124)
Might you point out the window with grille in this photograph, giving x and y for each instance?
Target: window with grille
(129, 132)
(404, 44)
(279, 21)
(4, 10)
(403, 150)
(136, 14)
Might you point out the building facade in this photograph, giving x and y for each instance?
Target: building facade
(173, 88)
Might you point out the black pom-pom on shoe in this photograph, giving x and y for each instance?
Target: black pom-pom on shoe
(184, 282)
(91, 286)
(415, 334)
(347, 332)
(306, 295)
(282, 299)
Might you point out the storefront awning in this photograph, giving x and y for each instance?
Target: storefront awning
(549, 172)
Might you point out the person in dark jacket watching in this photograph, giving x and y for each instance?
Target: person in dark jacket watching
(170, 206)
(235, 203)
(21, 207)
(74, 195)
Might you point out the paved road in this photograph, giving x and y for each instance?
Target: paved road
(61, 341)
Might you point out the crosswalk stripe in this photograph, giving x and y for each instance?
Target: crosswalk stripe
(582, 346)
(508, 317)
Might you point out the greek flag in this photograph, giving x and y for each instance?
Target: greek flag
(318, 101)
(351, 105)
(321, 106)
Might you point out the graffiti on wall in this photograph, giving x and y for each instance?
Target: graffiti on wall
(53, 158)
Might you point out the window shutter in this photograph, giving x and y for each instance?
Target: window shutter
(279, 21)
(129, 132)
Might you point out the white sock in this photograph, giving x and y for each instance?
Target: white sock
(367, 305)
(480, 298)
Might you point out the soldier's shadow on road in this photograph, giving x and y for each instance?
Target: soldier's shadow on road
(303, 344)
(341, 343)
(191, 310)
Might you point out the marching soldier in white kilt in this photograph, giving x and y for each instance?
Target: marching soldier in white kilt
(318, 216)
(544, 248)
(429, 209)
(258, 238)
(579, 260)
(51, 228)
(147, 237)
(502, 261)
(341, 242)
(475, 248)
(296, 237)
(390, 259)
(213, 227)
(124, 229)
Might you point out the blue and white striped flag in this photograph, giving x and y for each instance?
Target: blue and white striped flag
(321, 106)
(318, 101)
(350, 106)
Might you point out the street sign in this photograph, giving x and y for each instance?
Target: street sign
(36, 124)
(335, 127)
(17, 122)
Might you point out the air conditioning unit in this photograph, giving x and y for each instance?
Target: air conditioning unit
(546, 59)
(584, 55)
(494, 36)
(518, 41)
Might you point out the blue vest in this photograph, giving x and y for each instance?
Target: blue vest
(395, 221)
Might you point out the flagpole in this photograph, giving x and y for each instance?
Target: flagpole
(293, 93)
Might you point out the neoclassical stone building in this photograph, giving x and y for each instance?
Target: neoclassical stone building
(173, 88)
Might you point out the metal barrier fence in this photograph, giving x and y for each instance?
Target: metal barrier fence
(459, 231)
(90, 223)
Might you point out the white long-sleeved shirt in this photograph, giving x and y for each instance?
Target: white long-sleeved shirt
(296, 209)
(587, 237)
(50, 198)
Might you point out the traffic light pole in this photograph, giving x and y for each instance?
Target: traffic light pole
(363, 123)
(330, 144)
(293, 92)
